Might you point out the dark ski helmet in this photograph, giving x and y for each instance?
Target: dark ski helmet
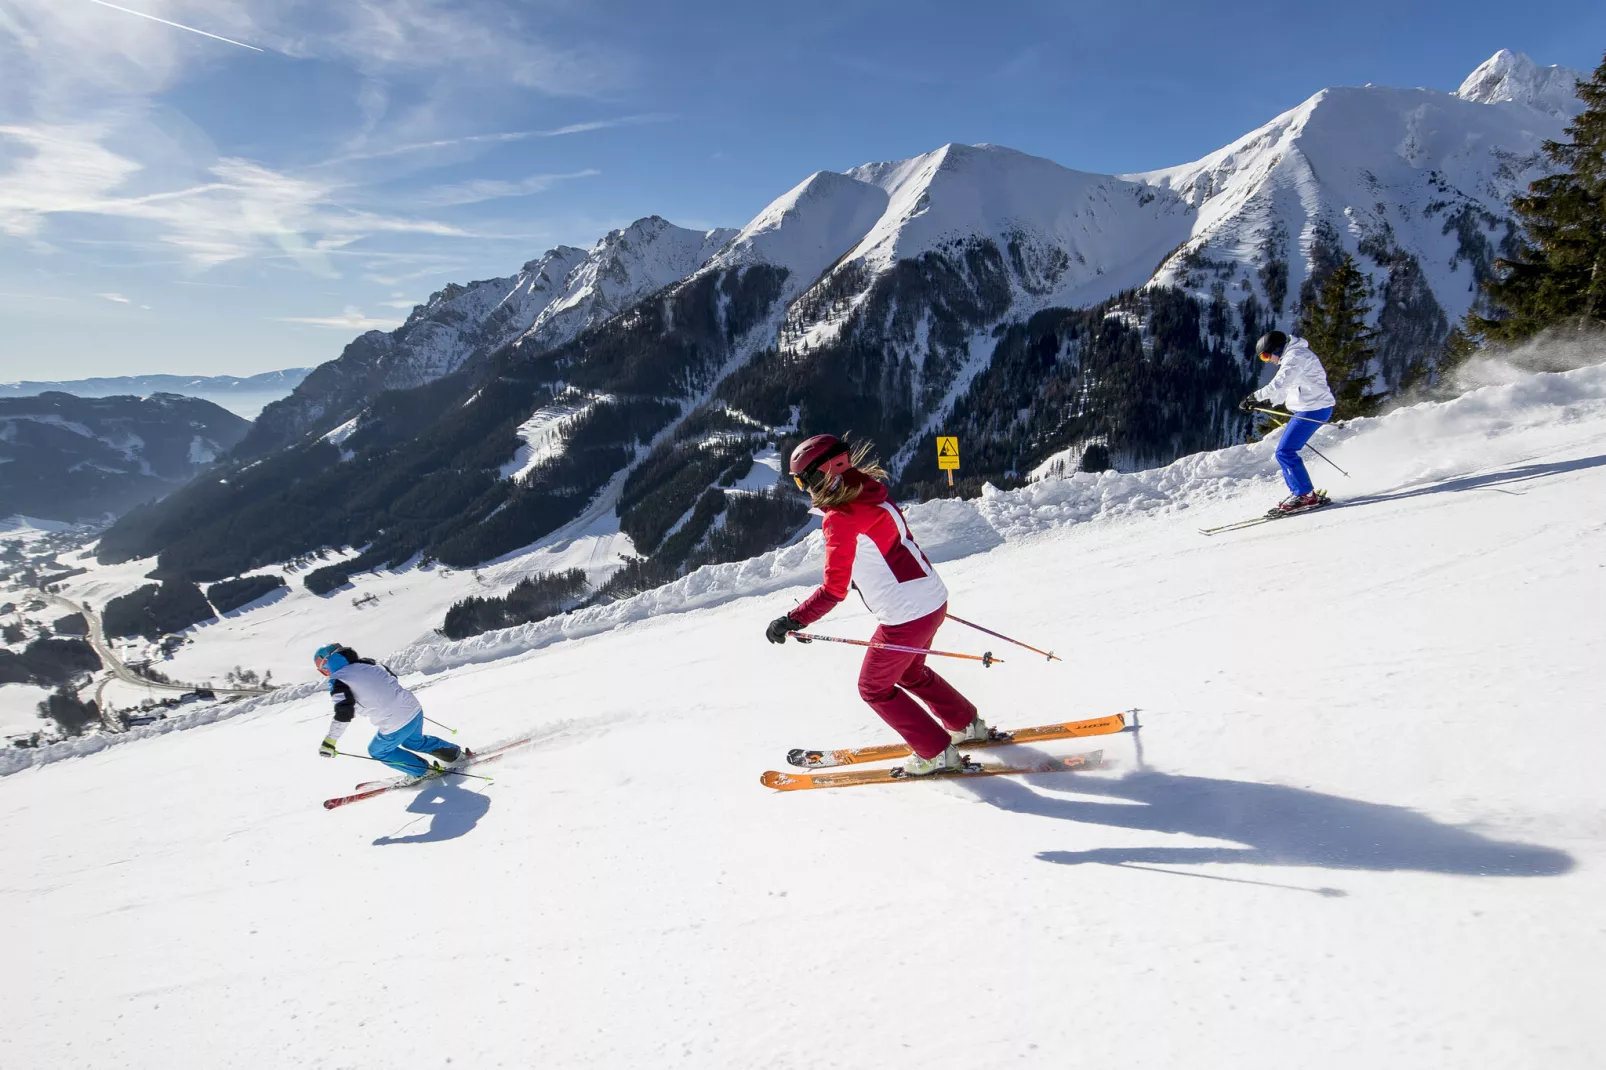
(818, 458)
(1271, 344)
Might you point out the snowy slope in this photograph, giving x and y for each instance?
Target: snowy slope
(807, 228)
(1360, 826)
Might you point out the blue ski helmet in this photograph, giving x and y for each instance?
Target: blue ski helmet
(330, 659)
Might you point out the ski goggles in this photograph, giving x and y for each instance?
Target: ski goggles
(321, 660)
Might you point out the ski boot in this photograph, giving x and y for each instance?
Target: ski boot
(1299, 503)
(452, 755)
(977, 731)
(949, 761)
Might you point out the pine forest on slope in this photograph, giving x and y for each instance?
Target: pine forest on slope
(1034, 310)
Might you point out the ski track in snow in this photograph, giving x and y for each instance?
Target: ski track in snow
(1361, 824)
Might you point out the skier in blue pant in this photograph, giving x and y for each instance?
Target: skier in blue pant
(398, 717)
(1301, 386)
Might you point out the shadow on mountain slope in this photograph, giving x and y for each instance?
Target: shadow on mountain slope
(1277, 826)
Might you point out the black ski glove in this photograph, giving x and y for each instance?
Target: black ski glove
(1248, 404)
(776, 632)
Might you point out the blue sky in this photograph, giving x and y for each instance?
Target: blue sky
(173, 202)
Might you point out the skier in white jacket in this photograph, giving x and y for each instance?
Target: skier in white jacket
(398, 717)
(1301, 386)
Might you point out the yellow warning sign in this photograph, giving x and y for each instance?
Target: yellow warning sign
(947, 452)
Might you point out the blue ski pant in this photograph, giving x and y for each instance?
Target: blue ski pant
(1295, 435)
(392, 747)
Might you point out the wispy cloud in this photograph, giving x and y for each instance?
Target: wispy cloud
(177, 25)
(486, 189)
(119, 298)
(352, 319)
(244, 209)
(470, 140)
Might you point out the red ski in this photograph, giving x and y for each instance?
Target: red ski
(380, 787)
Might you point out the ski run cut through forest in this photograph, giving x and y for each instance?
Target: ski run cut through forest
(1355, 819)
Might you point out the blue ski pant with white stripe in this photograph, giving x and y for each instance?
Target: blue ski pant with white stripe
(388, 747)
(1295, 435)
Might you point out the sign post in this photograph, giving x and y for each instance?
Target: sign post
(948, 455)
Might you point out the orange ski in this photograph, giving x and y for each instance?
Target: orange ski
(853, 778)
(824, 759)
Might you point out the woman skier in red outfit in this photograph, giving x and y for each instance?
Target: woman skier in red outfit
(868, 546)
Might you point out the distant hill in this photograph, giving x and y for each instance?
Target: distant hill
(244, 396)
(69, 458)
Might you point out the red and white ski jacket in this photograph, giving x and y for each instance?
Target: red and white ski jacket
(868, 545)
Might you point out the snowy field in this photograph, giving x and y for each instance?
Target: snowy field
(1361, 826)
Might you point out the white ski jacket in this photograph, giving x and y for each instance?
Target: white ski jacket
(1300, 382)
(370, 688)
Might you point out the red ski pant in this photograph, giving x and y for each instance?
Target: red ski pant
(888, 679)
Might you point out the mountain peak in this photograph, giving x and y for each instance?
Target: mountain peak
(1509, 76)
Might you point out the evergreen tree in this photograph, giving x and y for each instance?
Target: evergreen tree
(1558, 276)
(71, 713)
(1335, 325)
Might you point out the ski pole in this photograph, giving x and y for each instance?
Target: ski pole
(403, 768)
(987, 660)
(437, 724)
(1005, 638)
(1324, 457)
(1291, 416)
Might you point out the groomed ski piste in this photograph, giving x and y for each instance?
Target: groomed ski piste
(1361, 824)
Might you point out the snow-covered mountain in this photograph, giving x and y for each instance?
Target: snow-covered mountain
(1052, 235)
(546, 303)
(1414, 183)
(242, 395)
(1027, 307)
(69, 458)
(1512, 76)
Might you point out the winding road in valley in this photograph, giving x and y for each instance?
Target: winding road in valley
(119, 671)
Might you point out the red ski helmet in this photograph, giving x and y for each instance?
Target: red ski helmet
(817, 458)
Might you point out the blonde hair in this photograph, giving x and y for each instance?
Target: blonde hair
(839, 492)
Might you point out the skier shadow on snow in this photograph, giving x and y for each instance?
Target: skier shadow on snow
(1278, 826)
(1486, 480)
(454, 811)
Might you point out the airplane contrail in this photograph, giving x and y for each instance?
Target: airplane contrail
(177, 25)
